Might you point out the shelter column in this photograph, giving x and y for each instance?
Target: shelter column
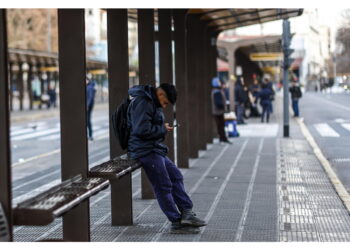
(145, 21)
(182, 135)
(74, 153)
(207, 85)
(193, 88)
(166, 67)
(5, 149)
(201, 83)
(118, 62)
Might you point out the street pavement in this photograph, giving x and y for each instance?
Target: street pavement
(262, 188)
(327, 116)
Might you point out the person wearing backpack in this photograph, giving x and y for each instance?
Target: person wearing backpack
(295, 95)
(147, 130)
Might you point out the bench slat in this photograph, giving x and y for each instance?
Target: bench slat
(4, 231)
(115, 168)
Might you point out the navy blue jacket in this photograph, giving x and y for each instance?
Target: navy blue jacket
(240, 95)
(146, 123)
(265, 96)
(90, 94)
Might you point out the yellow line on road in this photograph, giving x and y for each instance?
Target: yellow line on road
(36, 157)
(338, 185)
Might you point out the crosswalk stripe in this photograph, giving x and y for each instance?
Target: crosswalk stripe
(51, 137)
(339, 120)
(22, 131)
(346, 126)
(325, 130)
(35, 134)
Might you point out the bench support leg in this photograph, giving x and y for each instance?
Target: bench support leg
(74, 227)
(121, 198)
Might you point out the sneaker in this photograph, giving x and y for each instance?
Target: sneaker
(189, 218)
(178, 228)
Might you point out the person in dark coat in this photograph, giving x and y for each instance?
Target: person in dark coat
(147, 133)
(296, 94)
(218, 102)
(265, 101)
(254, 90)
(90, 101)
(270, 86)
(240, 100)
(52, 94)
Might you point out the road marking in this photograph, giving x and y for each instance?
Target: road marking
(346, 126)
(51, 137)
(339, 120)
(325, 130)
(35, 134)
(336, 105)
(36, 157)
(23, 131)
(343, 194)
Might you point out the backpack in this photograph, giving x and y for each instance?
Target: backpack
(298, 93)
(120, 123)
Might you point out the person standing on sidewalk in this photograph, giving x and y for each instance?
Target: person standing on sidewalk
(147, 132)
(240, 100)
(218, 102)
(295, 95)
(265, 101)
(254, 90)
(269, 84)
(90, 100)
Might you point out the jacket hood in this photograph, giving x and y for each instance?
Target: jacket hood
(147, 91)
(142, 90)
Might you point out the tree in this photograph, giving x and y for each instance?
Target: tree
(33, 29)
(343, 43)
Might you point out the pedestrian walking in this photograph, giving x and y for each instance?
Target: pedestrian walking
(147, 132)
(269, 84)
(265, 101)
(296, 94)
(218, 101)
(254, 90)
(90, 101)
(240, 100)
(226, 90)
(52, 96)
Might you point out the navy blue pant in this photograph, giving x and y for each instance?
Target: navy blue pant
(266, 109)
(240, 113)
(295, 106)
(167, 183)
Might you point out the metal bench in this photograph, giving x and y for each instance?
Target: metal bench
(45, 207)
(4, 231)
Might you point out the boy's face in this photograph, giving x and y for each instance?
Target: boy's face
(162, 97)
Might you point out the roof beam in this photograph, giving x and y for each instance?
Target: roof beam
(239, 14)
(254, 19)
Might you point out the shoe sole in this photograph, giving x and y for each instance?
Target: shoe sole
(183, 231)
(189, 223)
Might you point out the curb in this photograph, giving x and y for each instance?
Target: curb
(338, 185)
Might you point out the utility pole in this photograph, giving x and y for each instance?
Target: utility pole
(286, 40)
